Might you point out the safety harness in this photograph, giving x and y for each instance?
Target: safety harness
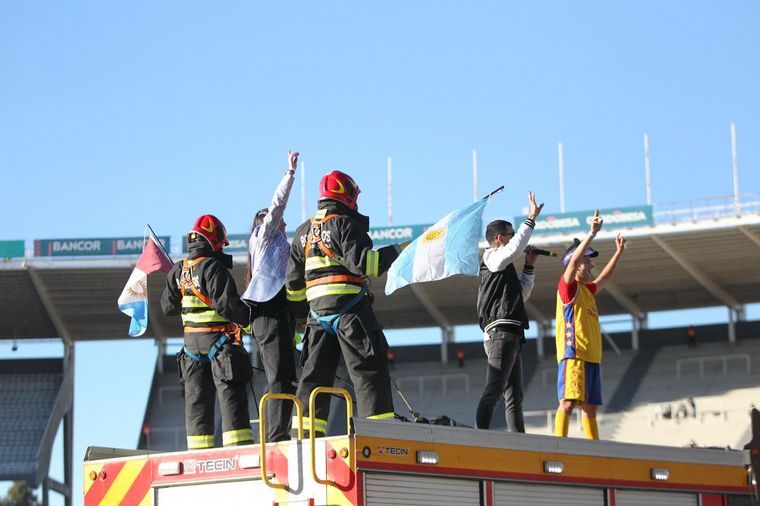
(330, 322)
(230, 331)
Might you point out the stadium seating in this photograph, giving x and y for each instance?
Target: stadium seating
(434, 389)
(28, 394)
(724, 390)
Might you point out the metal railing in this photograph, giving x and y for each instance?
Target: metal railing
(550, 413)
(174, 432)
(265, 477)
(434, 378)
(312, 423)
(707, 208)
(700, 361)
(168, 388)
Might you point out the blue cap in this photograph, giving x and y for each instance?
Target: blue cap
(590, 252)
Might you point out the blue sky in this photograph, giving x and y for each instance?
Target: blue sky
(119, 114)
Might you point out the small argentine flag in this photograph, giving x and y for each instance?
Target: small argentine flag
(449, 247)
(133, 300)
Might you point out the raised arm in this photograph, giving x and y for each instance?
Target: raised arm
(606, 273)
(497, 259)
(280, 199)
(577, 257)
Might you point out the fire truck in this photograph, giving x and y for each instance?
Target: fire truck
(388, 462)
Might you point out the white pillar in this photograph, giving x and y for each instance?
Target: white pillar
(731, 325)
(635, 327)
(447, 336)
(540, 339)
(161, 345)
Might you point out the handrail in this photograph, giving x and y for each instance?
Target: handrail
(444, 379)
(723, 358)
(550, 413)
(263, 433)
(312, 438)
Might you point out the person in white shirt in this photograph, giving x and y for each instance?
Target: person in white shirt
(502, 316)
(273, 325)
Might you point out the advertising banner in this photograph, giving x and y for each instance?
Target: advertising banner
(11, 249)
(381, 236)
(111, 246)
(570, 223)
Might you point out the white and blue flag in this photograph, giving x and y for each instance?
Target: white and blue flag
(449, 247)
(133, 300)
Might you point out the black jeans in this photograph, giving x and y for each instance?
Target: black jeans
(274, 332)
(503, 378)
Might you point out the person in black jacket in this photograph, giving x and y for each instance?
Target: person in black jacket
(502, 316)
(331, 258)
(202, 290)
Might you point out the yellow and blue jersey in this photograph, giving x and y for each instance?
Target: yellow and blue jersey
(578, 334)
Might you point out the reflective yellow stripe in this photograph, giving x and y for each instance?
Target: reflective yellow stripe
(382, 416)
(206, 314)
(319, 424)
(148, 499)
(320, 263)
(331, 289)
(123, 481)
(373, 263)
(205, 311)
(236, 436)
(195, 442)
(191, 301)
(205, 317)
(295, 295)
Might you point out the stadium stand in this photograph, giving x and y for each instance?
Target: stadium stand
(722, 380)
(35, 395)
(163, 426)
(641, 380)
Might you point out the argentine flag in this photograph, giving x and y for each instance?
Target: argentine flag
(133, 300)
(449, 247)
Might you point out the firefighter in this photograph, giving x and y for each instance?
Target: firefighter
(202, 290)
(331, 259)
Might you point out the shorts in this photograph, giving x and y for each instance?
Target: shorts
(578, 380)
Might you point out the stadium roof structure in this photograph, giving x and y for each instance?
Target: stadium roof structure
(697, 257)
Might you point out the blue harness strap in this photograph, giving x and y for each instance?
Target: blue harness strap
(206, 359)
(330, 322)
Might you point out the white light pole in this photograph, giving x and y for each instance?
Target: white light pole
(303, 192)
(390, 191)
(648, 174)
(561, 154)
(735, 167)
(474, 175)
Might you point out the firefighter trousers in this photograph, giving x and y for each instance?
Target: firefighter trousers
(227, 375)
(274, 332)
(361, 341)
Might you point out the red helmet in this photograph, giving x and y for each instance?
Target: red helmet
(212, 229)
(339, 186)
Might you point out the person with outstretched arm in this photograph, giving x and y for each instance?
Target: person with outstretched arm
(502, 316)
(578, 334)
(273, 324)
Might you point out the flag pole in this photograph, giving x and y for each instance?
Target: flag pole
(160, 244)
(497, 190)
